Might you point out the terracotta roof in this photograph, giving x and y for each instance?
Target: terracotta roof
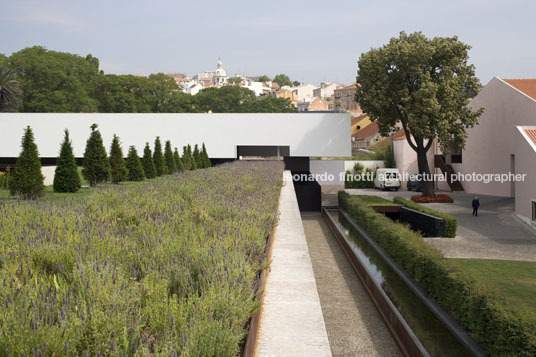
(531, 133)
(527, 86)
(358, 118)
(352, 86)
(367, 132)
(399, 135)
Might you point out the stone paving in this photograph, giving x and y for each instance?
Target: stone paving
(353, 325)
(497, 233)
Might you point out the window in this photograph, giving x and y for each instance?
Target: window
(534, 210)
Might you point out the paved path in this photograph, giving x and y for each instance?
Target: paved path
(353, 325)
(291, 321)
(497, 233)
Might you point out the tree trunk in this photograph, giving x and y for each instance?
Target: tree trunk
(424, 170)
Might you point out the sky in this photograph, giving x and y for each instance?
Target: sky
(311, 41)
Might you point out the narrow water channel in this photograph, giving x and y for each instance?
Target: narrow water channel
(434, 336)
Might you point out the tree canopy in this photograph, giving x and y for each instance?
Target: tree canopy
(52, 81)
(264, 78)
(283, 80)
(422, 85)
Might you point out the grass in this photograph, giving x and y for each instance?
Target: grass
(514, 281)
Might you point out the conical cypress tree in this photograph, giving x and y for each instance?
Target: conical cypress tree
(204, 155)
(66, 176)
(186, 158)
(197, 157)
(135, 169)
(27, 179)
(158, 158)
(193, 165)
(170, 160)
(96, 167)
(147, 162)
(177, 157)
(118, 168)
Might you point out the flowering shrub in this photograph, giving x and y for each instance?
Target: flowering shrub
(442, 198)
(161, 267)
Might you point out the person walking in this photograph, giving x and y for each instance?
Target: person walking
(475, 204)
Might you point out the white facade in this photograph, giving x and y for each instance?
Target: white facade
(306, 135)
(194, 89)
(325, 90)
(525, 163)
(304, 91)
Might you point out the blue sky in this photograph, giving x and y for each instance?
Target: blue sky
(311, 41)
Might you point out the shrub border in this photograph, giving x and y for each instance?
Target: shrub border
(473, 305)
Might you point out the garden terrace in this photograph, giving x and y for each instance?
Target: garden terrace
(158, 267)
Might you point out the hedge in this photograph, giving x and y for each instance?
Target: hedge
(501, 332)
(451, 223)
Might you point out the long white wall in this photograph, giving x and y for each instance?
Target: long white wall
(306, 134)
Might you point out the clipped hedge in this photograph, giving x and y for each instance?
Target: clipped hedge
(451, 223)
(475, 307)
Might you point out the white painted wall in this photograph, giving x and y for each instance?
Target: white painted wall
(525, 191)
(318, 134)
(322, 168)
(490, 144)
(48, 172)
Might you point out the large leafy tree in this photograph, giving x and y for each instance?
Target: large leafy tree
(55, 81)
(10, 89)
(124, 94)
(283, 80)
(424, 86)
(118, 167)
(228, 99)
(272, 105)
(66, 176)
(27, 180)
(96, 167)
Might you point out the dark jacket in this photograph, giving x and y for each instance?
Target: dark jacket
(476, 203)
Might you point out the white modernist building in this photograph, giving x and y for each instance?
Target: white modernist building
(226, 136)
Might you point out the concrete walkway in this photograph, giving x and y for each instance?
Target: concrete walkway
(353, 325)
(291, 319)
(497, 233)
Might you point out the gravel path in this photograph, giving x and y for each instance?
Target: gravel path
(353, 325)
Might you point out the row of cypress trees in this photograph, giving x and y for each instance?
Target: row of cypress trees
(28, 181)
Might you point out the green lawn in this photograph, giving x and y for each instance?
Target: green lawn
(514, 281)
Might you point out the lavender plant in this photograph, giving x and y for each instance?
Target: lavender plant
(159, 267)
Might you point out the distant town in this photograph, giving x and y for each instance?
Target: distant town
(325, 97)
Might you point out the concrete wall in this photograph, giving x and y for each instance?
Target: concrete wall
(525, 191)
(48, 172)
(322, 134)
(334, 167)
(491, 143)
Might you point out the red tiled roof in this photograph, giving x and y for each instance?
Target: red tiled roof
(527, 86)
(531, 133)
(358, 118)
(399, 135)
(367, 132)
(352, 86)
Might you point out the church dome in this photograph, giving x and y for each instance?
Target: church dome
(220, 72)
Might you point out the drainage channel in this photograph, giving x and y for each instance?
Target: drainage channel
(419, 327)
